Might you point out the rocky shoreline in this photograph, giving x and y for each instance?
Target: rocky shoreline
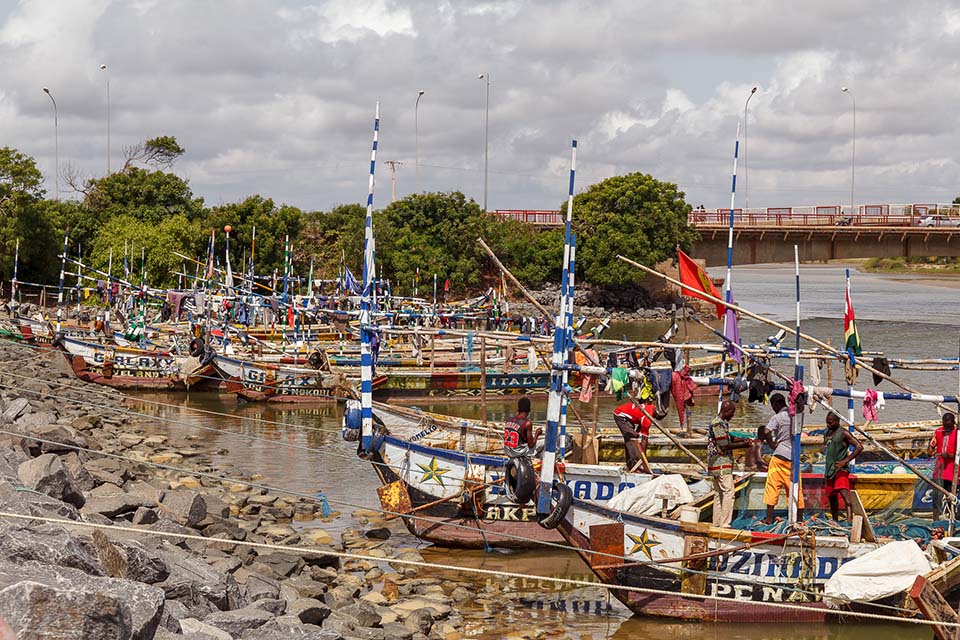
(627, 304)
(188, 571)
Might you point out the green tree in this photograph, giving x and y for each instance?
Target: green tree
(25, 216)
(332, 236)
(149, 196)
(159, 242)
(436, 232)
(273, 223)
(634, 215)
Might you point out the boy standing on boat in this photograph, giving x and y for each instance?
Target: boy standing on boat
(837, 452)
(720, 446)
(777, 434)
(944, 445)
(519, 438)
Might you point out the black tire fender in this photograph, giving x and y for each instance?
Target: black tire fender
(561, 499)
(522, 482)
(196, 348)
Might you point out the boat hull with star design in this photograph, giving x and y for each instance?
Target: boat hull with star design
(721, 575)
(458, 500)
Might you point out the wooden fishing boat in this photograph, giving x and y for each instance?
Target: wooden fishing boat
(135, 369)
(669, 562)
(258, 381)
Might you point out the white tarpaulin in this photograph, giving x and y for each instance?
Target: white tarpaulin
(883, 572)
(647, 498)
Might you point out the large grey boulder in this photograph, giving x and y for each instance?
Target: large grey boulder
(186, 507)
(239, 620)
(34, 504)
(47, 474)
(47, 544)
(129, 606)
(36, 610)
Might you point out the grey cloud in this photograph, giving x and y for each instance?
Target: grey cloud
(278, 98)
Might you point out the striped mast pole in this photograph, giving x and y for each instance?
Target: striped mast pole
(727, 293)
(555, 399)
(366, 330)
(79, 284)
(568, 320)
(796, 420)
(851, 412)
(106, 313)
(63, 267)
(13, 281)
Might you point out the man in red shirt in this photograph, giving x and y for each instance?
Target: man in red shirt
(633, 425)
(944, 445)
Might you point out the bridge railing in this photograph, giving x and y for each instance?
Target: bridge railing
(867, 215)
(536, 217)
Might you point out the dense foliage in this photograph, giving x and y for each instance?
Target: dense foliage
(634, 215)
(145, 209)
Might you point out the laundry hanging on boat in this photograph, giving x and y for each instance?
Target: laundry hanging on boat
(870, 405)
(531, 358)
(662, 382)
(797, 398)
(619, 379)
(882, 365)
(682, 387)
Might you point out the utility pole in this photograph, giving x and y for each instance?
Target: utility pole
(393, 178)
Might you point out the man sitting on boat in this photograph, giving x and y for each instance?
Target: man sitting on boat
(519, 438)
(720, 447)
(634, 425)
(944, 445)
(837, 451)
(777, 434)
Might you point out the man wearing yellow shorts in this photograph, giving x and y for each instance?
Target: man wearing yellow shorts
(777, 434)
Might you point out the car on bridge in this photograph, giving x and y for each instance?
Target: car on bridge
(939, 221)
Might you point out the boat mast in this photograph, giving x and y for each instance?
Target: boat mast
(796, 419)
(366, 330)
(555, 399)
(727, 291)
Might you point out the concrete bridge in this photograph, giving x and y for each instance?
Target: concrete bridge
(758, 244)
(822, 232)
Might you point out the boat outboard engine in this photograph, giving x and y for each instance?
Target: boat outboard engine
(352, 421)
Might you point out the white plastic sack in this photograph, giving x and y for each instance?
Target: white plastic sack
(883, 572)
(647, 498)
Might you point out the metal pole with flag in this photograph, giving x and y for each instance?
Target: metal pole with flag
(366, 330)
(851, 340)
(229, 280)
(729, 318)
(796, 416)
(555, 399)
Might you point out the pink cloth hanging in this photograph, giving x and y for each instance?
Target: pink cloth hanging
(870, 405)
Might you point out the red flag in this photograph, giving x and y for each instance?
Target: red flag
(697, 279)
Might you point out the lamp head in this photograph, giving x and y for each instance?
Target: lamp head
(481, 76)
(754, 90)
(421, 92)
(46, 90)
(103, 67)
(843, 89)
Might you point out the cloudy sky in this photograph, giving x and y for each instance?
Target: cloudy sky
(277, 98)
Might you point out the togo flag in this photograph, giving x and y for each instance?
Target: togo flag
(851, 337)
(697, 279)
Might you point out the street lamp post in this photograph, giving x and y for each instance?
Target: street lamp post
(486, 138)
(103, 68)
(56, 142)
(416, 128)
(853, 155)
(746, 185)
